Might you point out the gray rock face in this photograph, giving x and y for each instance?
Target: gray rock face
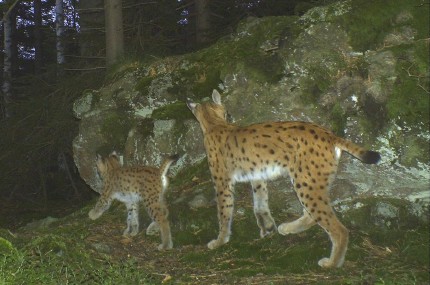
(276, 68)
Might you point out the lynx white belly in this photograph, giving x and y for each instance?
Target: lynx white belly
(126, 197)
(265, 173)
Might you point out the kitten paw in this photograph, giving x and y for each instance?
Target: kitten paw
(162, 247)
(264, 232)
(93, 214)
(127, 233)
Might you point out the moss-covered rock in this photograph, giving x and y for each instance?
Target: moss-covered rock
(357, 67)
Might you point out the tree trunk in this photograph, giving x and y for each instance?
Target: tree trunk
(114, 31)
(202, 21)
(7, 64)
(91, 37)
(59, 28)
(38, 53)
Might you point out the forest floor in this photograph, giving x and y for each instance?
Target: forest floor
(76, 250)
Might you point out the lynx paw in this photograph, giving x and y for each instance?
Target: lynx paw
(285, 229)
(325, 262)
(217, 243)
(328, 263)
(213, 244)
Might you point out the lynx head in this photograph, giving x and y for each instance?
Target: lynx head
(105, 165)
(209, 113)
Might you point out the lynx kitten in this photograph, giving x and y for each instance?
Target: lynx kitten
(132, 185)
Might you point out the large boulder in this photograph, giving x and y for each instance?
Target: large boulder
(346, 66)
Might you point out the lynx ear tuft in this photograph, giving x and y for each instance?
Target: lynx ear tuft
(216, 97)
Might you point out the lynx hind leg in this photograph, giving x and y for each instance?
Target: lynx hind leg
(261, 208)
(339, 237)
(317, 205)
(225, 205)
(301, 224)
(132, 220)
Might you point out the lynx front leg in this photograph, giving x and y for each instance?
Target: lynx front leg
(261, 208)
(225, 205)
(132, 220)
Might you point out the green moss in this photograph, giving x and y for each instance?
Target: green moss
(414, 241)
(49, 243)
(409, 103)
(210, 80)
(321, 76)
(199, 170)
(54, 259)
(115, 129)
(175, 111)
(247, 51)
(265, 68)
(368, 22)
(145, 127)
(362, 217)
(143, 84)
(200, 228)
(338, 120)
(195, 82)
(368, 129)
(125, 66)
(6, 247)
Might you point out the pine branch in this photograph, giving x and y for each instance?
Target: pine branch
(5, 15)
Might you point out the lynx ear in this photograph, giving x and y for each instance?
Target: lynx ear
(216, 97)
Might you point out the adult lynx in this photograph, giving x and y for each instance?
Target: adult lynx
(308, 153)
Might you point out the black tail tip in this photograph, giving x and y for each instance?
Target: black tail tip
(371, 157)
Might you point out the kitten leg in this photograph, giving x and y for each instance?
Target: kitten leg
(161, 218)
(132, 220)
(101, 206)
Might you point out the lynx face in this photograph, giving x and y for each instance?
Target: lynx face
(306, 152)
(132, 185)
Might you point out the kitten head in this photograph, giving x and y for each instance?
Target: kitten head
(110, 163)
